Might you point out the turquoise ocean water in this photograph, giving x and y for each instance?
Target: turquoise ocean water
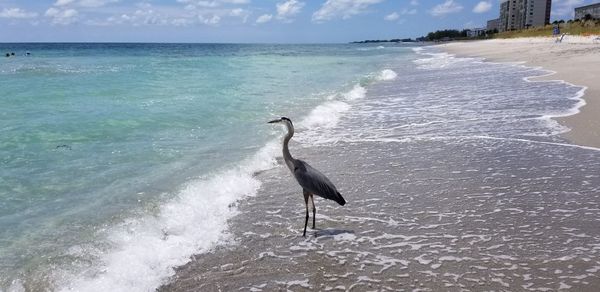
(113, 153)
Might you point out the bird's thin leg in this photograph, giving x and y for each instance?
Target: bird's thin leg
(306, 194)
(312, 199)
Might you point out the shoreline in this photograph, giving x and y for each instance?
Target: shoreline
(440, 212)
(571, 61)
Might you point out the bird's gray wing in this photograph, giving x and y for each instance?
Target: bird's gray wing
(315, 182)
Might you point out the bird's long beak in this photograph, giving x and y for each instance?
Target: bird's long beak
(275, 121)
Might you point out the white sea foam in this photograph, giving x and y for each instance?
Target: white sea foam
(371, 48)
(441, 60)
(144, 250)
(387, 75)
(326, 115)
(438, 60)
(356, 93)
(550, 117)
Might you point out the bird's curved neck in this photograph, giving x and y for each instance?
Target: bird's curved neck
(286, 151)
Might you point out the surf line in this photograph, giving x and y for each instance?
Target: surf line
(476, 137)
(535, 142)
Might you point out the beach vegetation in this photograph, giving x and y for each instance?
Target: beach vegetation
(446, 34)
(405, 40)
(571, 27)
(454, 34)
(490, 32)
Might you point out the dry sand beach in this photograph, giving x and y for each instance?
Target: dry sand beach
(576, 60)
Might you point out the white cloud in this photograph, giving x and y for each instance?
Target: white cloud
(240, 13)
(289, 8)
(342, 8)
(63, 2)
(264, 18)
(392, 16)
(446, 8)
(95, 3)
(212, 20)
(213, 3)
(188, 13)
(237, 12)
(414, 2)
(208, 4)
(146, 14)
(236, 1)
(51, 12)
(408, 11)
(62, 16)
(483, 6)
(149, 16)
(395, 15)
(17, 13)
(84, 3)
(69, 14)
(181, 22)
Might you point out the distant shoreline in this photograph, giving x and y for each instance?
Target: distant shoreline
(178, 43)
(571, 60)
(408, 40)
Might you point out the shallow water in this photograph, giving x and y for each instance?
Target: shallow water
(501, 218)
(455, 179)
(112, 155)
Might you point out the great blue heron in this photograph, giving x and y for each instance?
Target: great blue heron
(311, 180)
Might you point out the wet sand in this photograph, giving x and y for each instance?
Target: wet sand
(478, 220)
(575, 60)
(442, 196)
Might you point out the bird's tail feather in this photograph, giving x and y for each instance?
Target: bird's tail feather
(340, 200)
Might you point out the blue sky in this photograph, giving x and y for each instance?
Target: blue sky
(282, 21)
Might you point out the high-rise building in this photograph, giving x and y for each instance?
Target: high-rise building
(503, 21)
(520, 14)
(593, 10)
(493, 24)
(537, 12)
